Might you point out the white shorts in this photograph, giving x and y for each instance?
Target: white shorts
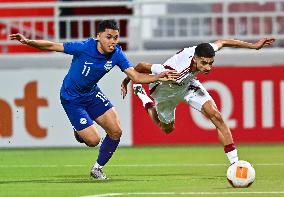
(167, 98)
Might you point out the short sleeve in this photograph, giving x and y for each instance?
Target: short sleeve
(123, 62)
(157, 69)
(215, 47)
(74, 48)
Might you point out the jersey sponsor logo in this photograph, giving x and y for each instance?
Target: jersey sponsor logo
(83, 121)
(108, 65)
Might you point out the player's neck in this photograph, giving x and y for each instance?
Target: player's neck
(99, 48)
(193, 67)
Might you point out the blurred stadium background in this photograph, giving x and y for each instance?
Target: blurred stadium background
(248, 85)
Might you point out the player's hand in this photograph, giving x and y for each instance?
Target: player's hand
(263, 42)
(21, 38)
(169, 75)
(123, 87)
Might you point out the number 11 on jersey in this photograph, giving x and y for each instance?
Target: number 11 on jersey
(86, 70)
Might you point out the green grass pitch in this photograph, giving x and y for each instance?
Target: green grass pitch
(138, 171)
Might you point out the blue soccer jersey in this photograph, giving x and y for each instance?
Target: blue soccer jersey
(88, 67)
(81, 98)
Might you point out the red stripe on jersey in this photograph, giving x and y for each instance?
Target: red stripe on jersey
(168, 67)
(187, 70)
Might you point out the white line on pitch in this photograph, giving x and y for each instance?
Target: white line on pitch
(181, 193)
(130, 165)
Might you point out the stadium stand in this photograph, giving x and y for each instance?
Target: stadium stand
(145, 25)
(34, 29)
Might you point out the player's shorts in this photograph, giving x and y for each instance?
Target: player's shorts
(82, 112)
(167, 98)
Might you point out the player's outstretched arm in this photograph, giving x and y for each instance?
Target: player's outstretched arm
(143, 67)
(242, 44)
(39, 44)
(138, 77)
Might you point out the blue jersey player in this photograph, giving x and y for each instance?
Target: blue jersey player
(82, 99)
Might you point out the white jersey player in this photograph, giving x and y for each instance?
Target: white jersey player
(188, 62)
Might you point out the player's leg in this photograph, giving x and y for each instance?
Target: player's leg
(223, 130)
(219, 134)
(83, 126)
(109, 121)
(209, 108)
(90, 136)
(198, 98)
(166, 127)
(149, 106)
(102, 111)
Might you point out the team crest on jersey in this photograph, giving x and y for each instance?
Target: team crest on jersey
(108, 65)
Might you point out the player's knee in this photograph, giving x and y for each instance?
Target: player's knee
(217, 116)
(92, 142)
(168, 128)
(116, 134)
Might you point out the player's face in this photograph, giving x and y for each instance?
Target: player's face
(204, 64)
(107, 40)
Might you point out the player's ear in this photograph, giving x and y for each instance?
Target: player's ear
(194, 58)
(98, 36)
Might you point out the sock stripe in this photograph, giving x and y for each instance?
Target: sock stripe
(229, 148)
(149, 105)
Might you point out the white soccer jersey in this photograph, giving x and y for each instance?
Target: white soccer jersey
(168, 94)
(181, 62)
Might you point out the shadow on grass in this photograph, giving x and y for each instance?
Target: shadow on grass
(66, 180)
(189, 175)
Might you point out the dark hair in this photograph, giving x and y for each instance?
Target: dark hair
(204, 50)
(107, 24)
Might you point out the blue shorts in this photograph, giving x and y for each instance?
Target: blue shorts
(83, 111)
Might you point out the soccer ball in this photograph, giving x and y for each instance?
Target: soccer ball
(241, 174)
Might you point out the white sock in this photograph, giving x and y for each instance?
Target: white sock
(97, 166)
(143, 96)
(233, 156)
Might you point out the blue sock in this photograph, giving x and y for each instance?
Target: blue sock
(107, 149)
